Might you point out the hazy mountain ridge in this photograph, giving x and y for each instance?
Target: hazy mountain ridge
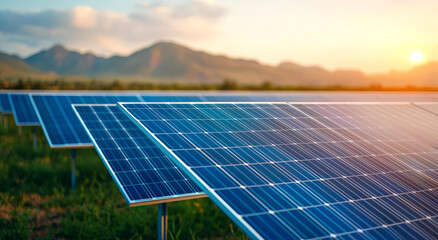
(166, 61)
(62, 61)
(11, 65)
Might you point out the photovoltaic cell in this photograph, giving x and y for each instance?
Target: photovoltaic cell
(5, 105)
(24, 113)
(306, 171)
(143, 173)
(60, 123)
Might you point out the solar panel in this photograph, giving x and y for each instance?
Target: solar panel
(24, 113)
(143, 173)
(305, 171)
(60, 123)
(5, 105)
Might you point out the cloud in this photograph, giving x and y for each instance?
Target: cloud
(84, 17)
(108, 32)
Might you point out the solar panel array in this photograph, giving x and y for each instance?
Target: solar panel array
(356, 170)
(5, 105)
(24, 113)
(306, 171)
(63, 129)
(143, 173)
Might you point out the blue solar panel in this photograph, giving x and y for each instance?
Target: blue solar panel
(60, 123)
(306, 171)
(24, 113)
(143, 173)
(5, 105)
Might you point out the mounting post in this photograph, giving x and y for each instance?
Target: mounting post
(162, 221)
(5, 121)
(73, 168)
(34, 138)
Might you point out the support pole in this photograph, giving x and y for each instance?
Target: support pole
(162, 221)
(73, 168)
(5, 121)
(35, 138)
(20, 130)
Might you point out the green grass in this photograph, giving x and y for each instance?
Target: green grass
(36, 200)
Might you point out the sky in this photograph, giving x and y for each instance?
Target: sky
(373, 36)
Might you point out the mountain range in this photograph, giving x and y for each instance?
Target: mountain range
(171, 62)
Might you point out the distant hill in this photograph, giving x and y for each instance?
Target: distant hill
(171, 62)
(166, 61)
(423, 75)
(62, 61)
(11, 65)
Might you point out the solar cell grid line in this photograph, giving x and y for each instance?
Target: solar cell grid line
(142, 172)
(24, 113)
(60, 124)
(5, 105)
(343, 185)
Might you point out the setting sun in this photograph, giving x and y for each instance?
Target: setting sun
(416, 56)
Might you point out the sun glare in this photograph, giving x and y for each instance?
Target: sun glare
(416, 56)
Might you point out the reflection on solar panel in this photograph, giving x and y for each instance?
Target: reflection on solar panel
(421, 125)
(430, 107)
(320, 97)
(24, 113)
(288, 97)
(305, 171)
(143, 173)
(60, 123)
(5, 105)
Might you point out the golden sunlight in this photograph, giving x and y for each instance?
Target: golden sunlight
(416, 56)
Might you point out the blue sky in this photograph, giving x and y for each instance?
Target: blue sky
(29, 5)
(373, 35)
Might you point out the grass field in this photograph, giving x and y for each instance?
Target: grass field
(36, 200)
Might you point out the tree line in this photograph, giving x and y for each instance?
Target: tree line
(227, 84)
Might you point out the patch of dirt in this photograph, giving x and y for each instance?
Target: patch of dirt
(41, 218)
